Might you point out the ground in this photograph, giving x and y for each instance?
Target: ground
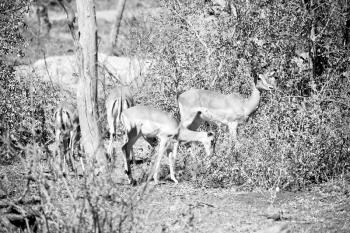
(183, 207)
(177, 208)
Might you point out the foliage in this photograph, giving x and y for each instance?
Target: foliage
(299, 134)
(24, 111)
(25, 115)
(11, 24)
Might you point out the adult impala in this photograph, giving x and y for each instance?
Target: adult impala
(151, 123)
(198, 105)
(119, 99)
(67, 127)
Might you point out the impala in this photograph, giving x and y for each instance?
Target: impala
(198, 105)
(150, 123)
(119, 99)
(67, 128)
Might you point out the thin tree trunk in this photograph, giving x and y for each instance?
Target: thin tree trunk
(116, 25)
(87, 87)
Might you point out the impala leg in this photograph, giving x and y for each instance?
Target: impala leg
(209, 143)
(82, 163)
(112, 130)
(110, 150)
(162, 147)
(64, 154)
(172, 159)
(57, 136)
(127, 168)
(110, 147)
(233, 132)
(232, 126)
(71, 147)
(127, 148)
(132, 154)
(153, 142)
(58, 147)
(80, 154)
(71, 141)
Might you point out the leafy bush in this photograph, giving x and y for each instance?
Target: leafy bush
(26, 112)
(300, 133)
(27, 107)
(11, 24)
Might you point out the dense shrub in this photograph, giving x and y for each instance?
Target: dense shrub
(27, 102)
(11, 24)
(300, 133)
(26, 112)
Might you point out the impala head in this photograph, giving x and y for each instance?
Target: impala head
(265, 82)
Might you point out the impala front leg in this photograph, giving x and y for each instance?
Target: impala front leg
(172, 152)
(233, 132)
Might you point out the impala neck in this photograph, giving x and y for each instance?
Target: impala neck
(253, 100)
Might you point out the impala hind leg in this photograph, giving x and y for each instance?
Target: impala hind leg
(59, 151)
(113, 119)
(112, 136)
(72, 140)
(162, 147)
(127, 149)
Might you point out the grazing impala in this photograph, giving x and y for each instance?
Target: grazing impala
(67, 130)
(119, 99)
(151, 123)
(198, 105)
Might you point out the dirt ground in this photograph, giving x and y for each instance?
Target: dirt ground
(179, 208)
(169, 207)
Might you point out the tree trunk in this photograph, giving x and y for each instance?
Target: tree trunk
(87, 87)
(116, 26)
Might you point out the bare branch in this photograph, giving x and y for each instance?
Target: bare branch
(70, 19)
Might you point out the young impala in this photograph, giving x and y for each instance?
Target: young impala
(119, 99)
(150, 123)
(67, 131)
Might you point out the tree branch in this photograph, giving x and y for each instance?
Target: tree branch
(70, 18)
